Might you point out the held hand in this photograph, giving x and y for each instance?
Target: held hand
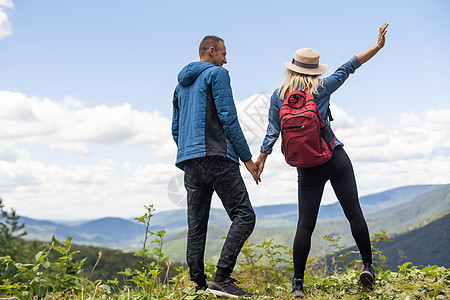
(253, 169)
(381, 35)
(260, 162)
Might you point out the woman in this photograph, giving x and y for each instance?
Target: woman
(303, 74)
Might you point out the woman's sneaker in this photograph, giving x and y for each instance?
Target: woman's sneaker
(297, 288)
(227, 288)
(367, 277)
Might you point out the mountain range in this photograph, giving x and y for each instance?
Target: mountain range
(396, 211)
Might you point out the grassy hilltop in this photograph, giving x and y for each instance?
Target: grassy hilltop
(411, 264)
(57, 271)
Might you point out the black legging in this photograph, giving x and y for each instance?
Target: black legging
(311, 182)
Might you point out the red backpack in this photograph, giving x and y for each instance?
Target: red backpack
(307, 140)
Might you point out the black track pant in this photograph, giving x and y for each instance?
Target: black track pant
(202, 177)
(311, 182)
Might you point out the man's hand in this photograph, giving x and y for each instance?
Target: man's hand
(253, 169)
(260, 162)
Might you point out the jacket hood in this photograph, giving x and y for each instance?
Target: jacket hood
(189, 73)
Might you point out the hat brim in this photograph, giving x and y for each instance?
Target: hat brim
(316, 71)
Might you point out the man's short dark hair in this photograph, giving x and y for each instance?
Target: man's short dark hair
(208, 42)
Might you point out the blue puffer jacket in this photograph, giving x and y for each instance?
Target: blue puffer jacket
(204, 119)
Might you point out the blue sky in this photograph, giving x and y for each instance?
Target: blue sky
(110, 52)
(86, 88)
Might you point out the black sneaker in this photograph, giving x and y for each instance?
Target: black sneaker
(201, 286)
(367, 277)
(297, 288)
(227, 288)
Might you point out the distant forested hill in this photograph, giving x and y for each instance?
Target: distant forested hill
(396, 211)
(425, 246)
(428, 245)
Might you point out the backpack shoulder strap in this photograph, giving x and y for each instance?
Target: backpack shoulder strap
(310, 96)
(330, 116)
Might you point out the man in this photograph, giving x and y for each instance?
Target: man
(210, 143)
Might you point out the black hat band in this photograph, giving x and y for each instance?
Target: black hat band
(303, 65)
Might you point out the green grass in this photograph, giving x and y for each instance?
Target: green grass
(407, 283)
(263, 269)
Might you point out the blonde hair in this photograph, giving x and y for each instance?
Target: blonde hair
(296, 81)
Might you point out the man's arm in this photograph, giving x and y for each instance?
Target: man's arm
(226, 110)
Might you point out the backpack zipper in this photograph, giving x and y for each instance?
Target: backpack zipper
(291, 127)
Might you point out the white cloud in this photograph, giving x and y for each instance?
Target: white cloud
(69, 125)
(74, 190)
(252, 113)
(105, 188)
(5, 24)
(411, 149)
(6, 3)
(9, 152)
(407, 137)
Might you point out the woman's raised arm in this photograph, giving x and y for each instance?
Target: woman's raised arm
(369, 53)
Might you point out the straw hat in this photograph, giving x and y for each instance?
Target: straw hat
(306, 61)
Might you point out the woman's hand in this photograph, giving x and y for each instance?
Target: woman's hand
(253, 169)
(260, 162)
(369, 53)
(381, 35)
